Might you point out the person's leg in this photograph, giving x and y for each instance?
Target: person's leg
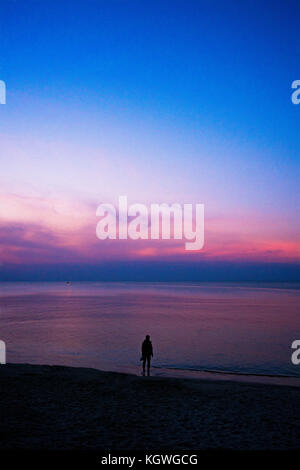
(144, 365)
(148, 364)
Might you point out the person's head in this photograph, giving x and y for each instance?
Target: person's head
(147, 338)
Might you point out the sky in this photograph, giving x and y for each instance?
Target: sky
(183, 101)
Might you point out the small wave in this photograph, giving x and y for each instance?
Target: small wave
(225, 372)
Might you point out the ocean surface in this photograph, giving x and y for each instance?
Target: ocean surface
(227, 327)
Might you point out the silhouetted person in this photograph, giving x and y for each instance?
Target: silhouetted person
(147, 353)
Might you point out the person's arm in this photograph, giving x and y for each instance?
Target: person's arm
(151, 350)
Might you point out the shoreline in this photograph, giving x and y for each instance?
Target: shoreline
(69, 408)
(209, 375)
(242, 377)
(206, 375)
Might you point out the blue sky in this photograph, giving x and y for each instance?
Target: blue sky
(184, 101)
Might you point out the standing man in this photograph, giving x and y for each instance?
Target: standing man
(147, 353)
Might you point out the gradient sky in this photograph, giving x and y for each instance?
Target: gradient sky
(182, 101)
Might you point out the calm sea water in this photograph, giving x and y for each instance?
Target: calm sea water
(246, 328)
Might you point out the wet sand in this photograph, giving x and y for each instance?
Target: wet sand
(56, 407)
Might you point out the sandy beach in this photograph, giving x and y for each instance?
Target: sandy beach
(64, 408)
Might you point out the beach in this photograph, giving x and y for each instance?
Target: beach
(67, 408)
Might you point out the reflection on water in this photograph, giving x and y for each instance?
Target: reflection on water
(229, 327)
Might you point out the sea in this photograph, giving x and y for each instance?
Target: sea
(242, 328)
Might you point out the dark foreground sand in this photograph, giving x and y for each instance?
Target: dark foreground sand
(54, 407)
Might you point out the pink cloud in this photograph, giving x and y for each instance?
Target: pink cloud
(56, 229)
